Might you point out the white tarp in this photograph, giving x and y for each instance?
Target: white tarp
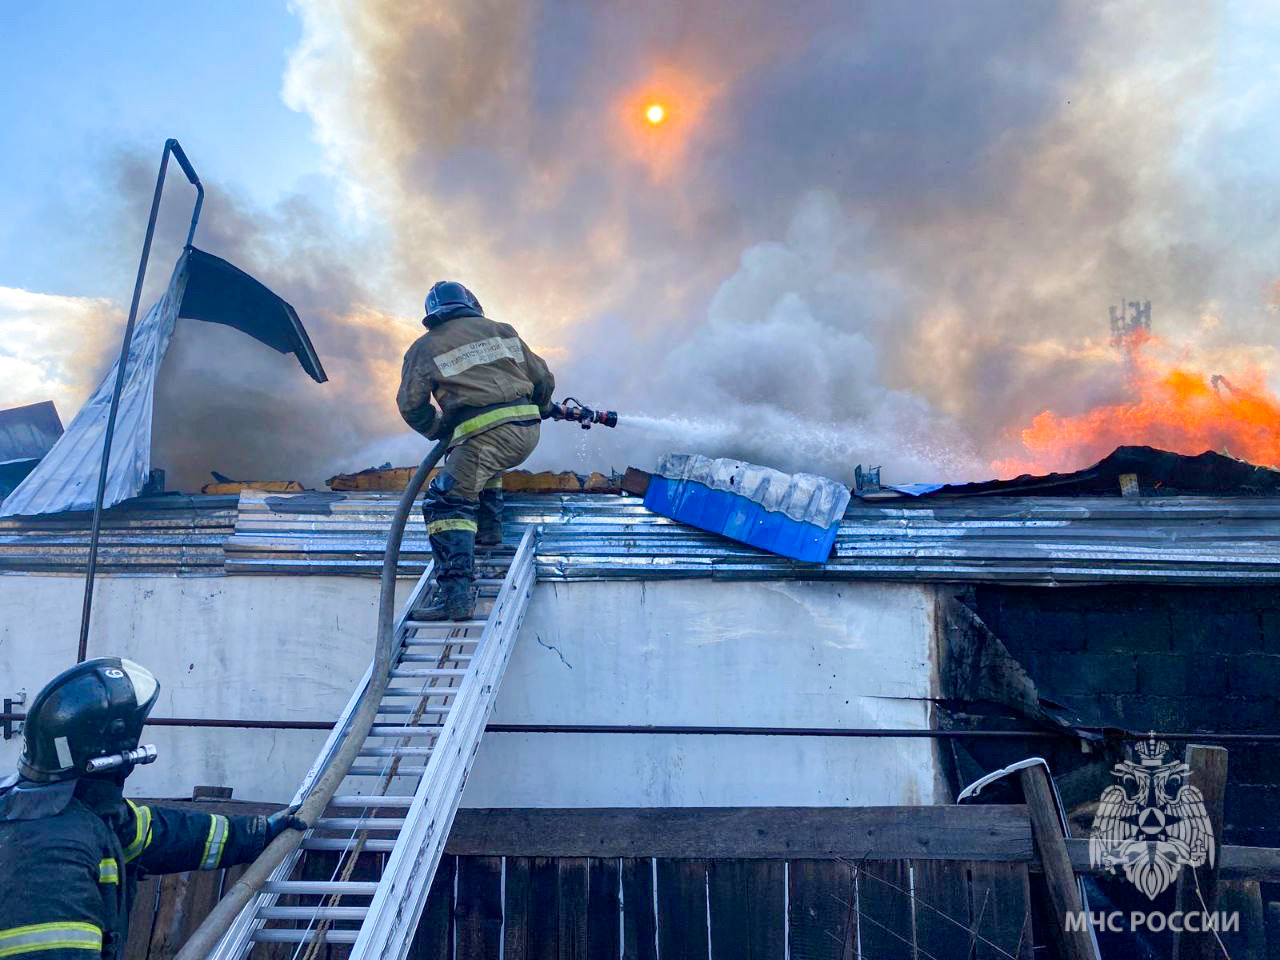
(804, 497)
(67, 477)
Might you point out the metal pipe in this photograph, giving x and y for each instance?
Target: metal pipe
(854, 732)
(170, 146)
(210, 931)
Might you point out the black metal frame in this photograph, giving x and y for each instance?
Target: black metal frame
(171, 146)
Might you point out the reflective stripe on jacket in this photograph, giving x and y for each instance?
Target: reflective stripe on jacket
(480, 373)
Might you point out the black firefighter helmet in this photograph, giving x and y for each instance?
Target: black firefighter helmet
(447, 297)
(96, 709)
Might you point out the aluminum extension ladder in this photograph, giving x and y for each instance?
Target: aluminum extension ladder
(400, 795)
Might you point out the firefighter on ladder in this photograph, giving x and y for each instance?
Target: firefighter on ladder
(72, 848)
(492, 392)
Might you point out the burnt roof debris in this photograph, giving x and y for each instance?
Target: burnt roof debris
(1127, 471)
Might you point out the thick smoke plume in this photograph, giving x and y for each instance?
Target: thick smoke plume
(853, 239)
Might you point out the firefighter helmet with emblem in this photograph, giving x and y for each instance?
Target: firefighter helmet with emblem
(92, 711)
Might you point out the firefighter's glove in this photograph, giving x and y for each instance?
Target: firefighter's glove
(271, 827)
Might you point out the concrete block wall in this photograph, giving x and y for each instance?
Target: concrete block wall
(1194, 659)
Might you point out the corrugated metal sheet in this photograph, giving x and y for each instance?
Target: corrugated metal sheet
(170, 535)
(67, 477)
(1031, 540)
(1026, 540)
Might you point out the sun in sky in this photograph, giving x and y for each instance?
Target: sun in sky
(655, 113)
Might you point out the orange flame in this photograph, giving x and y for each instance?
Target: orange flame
(1173, 408)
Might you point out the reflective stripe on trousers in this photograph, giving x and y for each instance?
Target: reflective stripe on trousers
(38, 937)
(436, 527)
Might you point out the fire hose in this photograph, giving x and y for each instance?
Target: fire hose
(210, 931)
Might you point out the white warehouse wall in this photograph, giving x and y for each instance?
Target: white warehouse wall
(692, 652)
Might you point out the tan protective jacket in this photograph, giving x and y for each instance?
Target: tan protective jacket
(481, 374)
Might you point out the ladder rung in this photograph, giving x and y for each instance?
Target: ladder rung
(375, 770)
(302, 934)
(441, 641)
(436, 709)
(359, 823)
(429, 672)
(422, 691)
(392, 731)
(415, 625)
(355, 888)
(432, 657)
(395, 751)
(347, 843)
(360, 800)
(312, 913)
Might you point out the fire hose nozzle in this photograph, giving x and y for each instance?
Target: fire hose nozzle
(570, 409)
(137, 757)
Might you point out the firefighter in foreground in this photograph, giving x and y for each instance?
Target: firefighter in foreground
(71, 846)
(491, 392)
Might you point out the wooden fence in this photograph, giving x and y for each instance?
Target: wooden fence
(916, 883)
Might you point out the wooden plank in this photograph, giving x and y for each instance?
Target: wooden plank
(999, 911)
(516, 910)
(544, 909)
(682, 909)
(1273, 930)
(572, 903)
(433, 939)
(823, 908)
(142, 919)
(166, 933)
(1231, 862)
(1198, 887)
(1064, 894)
(994, 833)
(636, 482)
(748, 909)
(1249, 940)
(639, 911)
(942, 908)
(603, 910)
(203, 891)
(884, 916)
(477, 908)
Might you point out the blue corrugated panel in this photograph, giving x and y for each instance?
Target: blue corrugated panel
(740, 519)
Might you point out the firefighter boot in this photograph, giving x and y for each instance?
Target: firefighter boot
(454, 552)
(489, 532)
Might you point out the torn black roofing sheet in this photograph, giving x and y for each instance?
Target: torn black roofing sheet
(1159, 473)
(218, 292)
(28, 433)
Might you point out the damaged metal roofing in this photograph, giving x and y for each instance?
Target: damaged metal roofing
(202, 287)
(1034, 540)
(27, 433)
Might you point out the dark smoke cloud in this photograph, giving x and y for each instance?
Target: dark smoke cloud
(874, 232)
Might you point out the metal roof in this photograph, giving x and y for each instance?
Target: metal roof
(27, 433)
(1035, 540)
(173, 535)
